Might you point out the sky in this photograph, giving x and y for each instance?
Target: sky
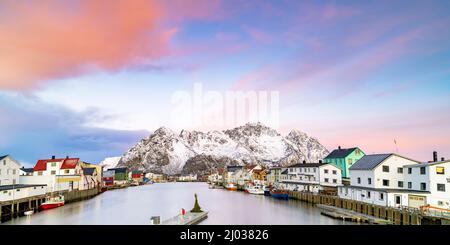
(91, 78)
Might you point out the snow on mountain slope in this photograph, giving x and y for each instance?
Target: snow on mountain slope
(110, 162)
(197, 152)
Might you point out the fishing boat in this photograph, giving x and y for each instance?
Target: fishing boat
(29, 212)
(267, 191)
(52, 202)
(256, 190)
(231, 187)
(279, 194)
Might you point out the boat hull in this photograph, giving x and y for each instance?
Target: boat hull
(281, 196)
(232, 188)
(47, 206)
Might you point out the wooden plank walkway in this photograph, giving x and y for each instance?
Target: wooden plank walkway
(350, 215)
(188, 219)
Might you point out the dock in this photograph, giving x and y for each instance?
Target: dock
(350, 215)
(188, 219)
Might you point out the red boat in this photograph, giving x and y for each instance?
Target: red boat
(231, 187)
(52, 202)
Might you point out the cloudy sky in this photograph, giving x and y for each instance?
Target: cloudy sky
(90, 78)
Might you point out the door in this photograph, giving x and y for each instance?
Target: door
(417, 201)
(398, 200)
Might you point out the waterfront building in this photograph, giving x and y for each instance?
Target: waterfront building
(258, 174)
(9, 170)
(188, 178)
(433, 180)
(380, 179)
(137, 176)
(59, 174)
(313, 177)
(344, 159)
(98, 171)
(217, 177)
(120, 175)
(20, 191)
(89, 179)
(274, 175)
(108, 178)
(230, 174)
(156, 178)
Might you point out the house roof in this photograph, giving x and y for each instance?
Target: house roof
(307, 165)
(68, 163)
(234, 168)
(88, 171)
(1, 158)
(119, 170)
(19, 186)
(425, 164)
(369, 162)
(340, 153)
(285, 171)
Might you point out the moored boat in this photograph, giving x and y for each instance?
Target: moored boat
(231, 187)
(256, 190)
(279, 194)
(52, 202)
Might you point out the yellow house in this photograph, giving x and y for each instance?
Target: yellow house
(98, 168)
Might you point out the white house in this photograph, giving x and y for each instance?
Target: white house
(380, 179)
(313, 177)
(431, 178)
(231, 174)
(9, 170)
(59, 174)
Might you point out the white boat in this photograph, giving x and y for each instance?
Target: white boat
(29, 212)
(256, 190)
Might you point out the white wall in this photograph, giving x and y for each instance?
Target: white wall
(9, 171)
(15, 194)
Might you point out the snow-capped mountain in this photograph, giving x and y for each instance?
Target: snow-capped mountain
(164, 151)
(110, 162)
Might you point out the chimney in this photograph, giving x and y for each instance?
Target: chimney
(53, 157)
(435, 156)
(442, 159)
(67, 157)
(304, 161)
(339, 147)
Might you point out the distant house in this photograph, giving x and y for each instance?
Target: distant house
(108, 178)
(26, 171)
(313, 177)
(137, 176)
(9, 170)
(230, 174)
(274, 176)
(120, 175)
(98, 171)
(89, 179)
(344, 159)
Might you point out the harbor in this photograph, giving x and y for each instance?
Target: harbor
(136, 205)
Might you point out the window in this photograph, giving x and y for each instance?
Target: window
(350, 161)
(369, 181)
(440, 203)
(4, 162)
(334, 181)
(423, 186)
(440, 170)
(334, 172)
(422, 170)
(53, 172)
(0, 171)
(314, 170)
(368, 194)
(357, 152)
(66, 171)
(40, 173)
(14, 172)
(385, 182)
(14, 181)
(381, 196)
(326, 171)
(4, 192)
(409, 185)
(400, 184)
(400, 170)
(17, 190)
(409, 170)
(441, 187)
(53, 164)
(398, 200)
(386, 169)
(326, 180)
(359, 180)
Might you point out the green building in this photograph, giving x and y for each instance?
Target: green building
(344, 159)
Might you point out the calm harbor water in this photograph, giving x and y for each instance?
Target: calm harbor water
(135, 206)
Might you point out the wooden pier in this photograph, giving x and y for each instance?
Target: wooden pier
(16, 208)
(188, 219)
(350, 215)
(396, 216)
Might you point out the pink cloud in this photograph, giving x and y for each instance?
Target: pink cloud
(48, 40)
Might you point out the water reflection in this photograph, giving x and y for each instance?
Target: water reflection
(137, 204)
